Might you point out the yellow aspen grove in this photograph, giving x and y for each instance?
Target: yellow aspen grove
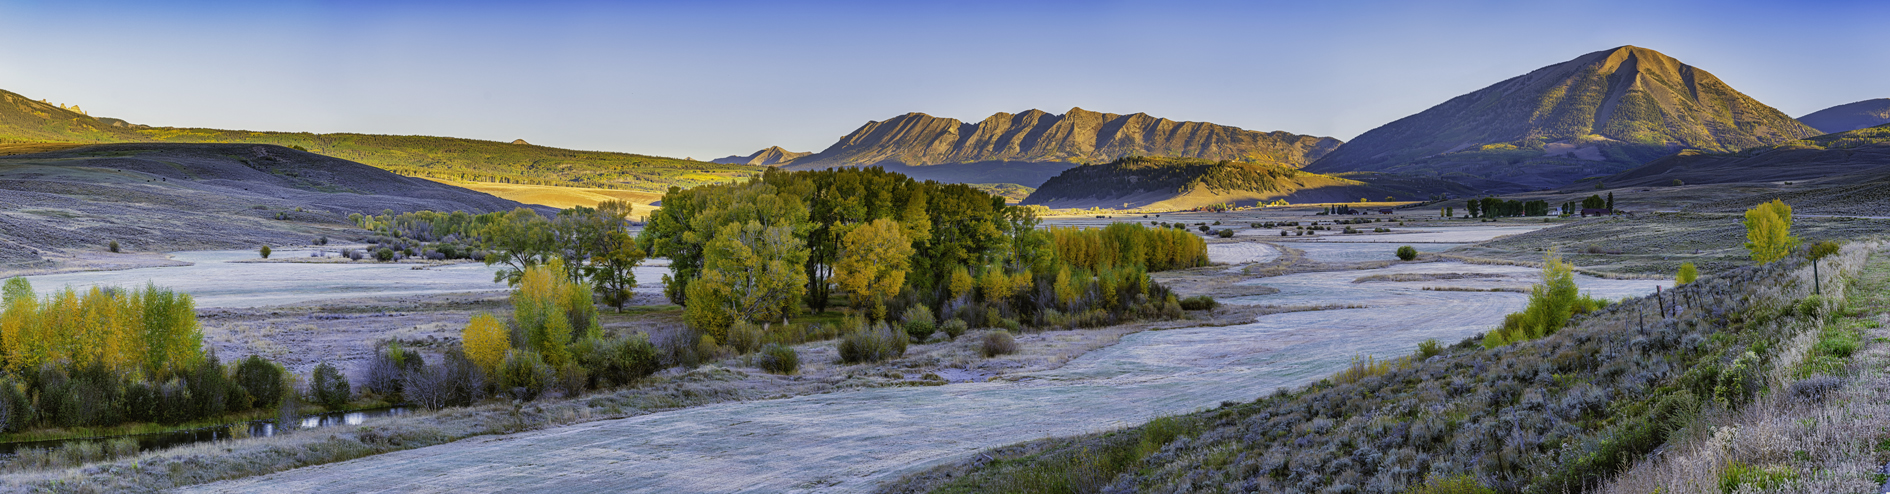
(486, 342)
(21, 316)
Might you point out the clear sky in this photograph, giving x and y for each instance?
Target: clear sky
(711, 78)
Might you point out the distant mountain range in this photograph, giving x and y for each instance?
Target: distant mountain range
(1599, 114)
(1185, 183)
(772, 156)
(1850, 116)
(1844, 157)
(1028, 148)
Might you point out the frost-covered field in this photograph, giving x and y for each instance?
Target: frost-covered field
(850, 441)
(216, 282)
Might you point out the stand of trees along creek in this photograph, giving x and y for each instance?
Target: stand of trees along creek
(109, 356)
(760, 252)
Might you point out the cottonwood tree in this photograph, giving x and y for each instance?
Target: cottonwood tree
(518, 240)
(1769, 231)
(751, 273)
(485, 342)
(873, 264)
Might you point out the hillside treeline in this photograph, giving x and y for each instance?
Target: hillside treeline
(764, 250)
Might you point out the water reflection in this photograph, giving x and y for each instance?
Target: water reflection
(258, 428)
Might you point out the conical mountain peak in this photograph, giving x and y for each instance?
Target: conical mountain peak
(1604, 111)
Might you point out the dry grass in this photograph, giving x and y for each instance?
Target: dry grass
(564, 197)
(1786, 441)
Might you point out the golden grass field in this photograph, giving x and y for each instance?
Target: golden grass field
(563, 197)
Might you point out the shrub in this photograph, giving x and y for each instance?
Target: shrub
(264, 251)
(1407, 253)
(261, 381)
(1429, 348)
(113, 246)
(1227, 233)
(873, 344)
(1199, 302)
(1818, 251)
(328, 387)
(387, 370)
(919, 322)
(779, 359)
(384, 254)
(1688, 273)
(485, 341)
(1461, 484)
(525, 375)
(998, 342)
(954, 327)
(619, 361)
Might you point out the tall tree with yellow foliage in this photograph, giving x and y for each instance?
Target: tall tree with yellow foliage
(1769, 231)
(873, 263)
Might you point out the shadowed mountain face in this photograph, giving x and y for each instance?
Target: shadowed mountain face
(1850, 116)
(160, 197)
(1005, 141)
(772, 156)
(1184, 183)
(1598, 114)
(1842, 158)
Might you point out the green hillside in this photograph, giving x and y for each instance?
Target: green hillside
(1599, 114)
(24, 120)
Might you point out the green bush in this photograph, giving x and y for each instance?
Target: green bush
(1461, 484)
(954, 327)
(998, 342)
(1407, 253)
(1199, 302)
(779, 359)
(1227, 233)
(261, 382)
(264, 251)
(745, 337)
(384, 254)
(919, 322)
(873, 344)
(328, 387)
(113, 246)
(525, 375)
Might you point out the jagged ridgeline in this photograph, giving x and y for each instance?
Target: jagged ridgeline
(1601, 113)
(24, 120)
(1185, 183)
(1030, 147)
(790, 242)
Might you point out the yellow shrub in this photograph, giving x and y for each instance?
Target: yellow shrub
(485, 342)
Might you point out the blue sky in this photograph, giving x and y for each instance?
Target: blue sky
(710, 78)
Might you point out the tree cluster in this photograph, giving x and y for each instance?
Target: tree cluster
(758, 252)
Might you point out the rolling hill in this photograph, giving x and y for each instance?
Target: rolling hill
(1028, 148)
(1832, 158)
(772, 156)
(24, 120)
(1850, 116)
(1601, 113)
(1186, 183)
(63, 205)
